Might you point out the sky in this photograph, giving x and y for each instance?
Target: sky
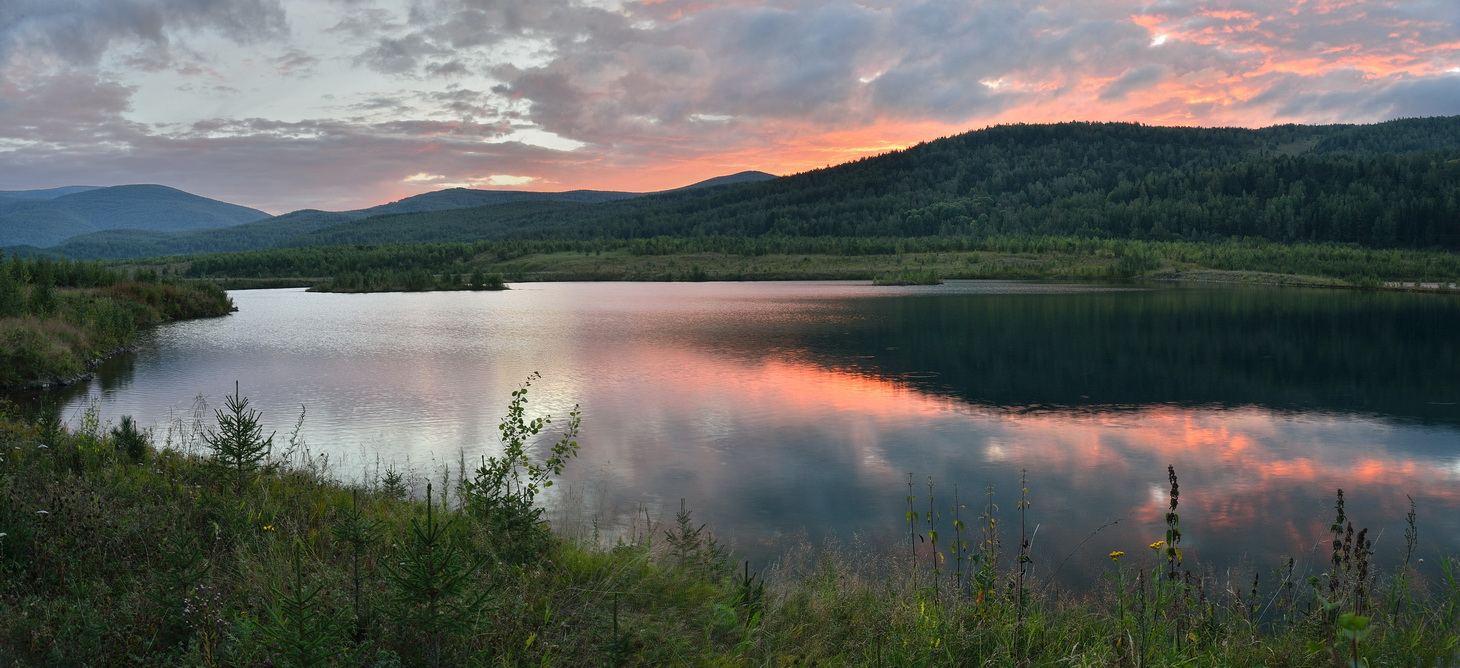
(341, 104)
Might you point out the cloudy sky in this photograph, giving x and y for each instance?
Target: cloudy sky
(338, 104)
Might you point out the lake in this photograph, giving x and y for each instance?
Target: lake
(792, 412)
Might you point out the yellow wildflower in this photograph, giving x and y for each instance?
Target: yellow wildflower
(1158, 544)
(1116, 555)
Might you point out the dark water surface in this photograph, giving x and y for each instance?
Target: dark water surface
(781, 408)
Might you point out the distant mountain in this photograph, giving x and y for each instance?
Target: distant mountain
(732, 179)
(295, 228)
(46, 221)
(510, 212)
(476, 223)
(463, 198)
(49, 193)
(115, 244)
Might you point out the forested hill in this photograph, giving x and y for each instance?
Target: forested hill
(1394, 184)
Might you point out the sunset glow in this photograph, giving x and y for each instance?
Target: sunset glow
(287, 104)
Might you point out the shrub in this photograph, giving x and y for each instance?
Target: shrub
(502, 492)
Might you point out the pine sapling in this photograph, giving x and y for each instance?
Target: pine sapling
(238, 443)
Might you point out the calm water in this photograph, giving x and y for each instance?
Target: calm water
(781, 408)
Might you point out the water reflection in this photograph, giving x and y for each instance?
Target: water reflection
(1386, 354)
(773, 408)
(830, 452)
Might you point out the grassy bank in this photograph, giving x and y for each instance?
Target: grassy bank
(991, 258)
(57, 319)
(211, 544)
(453, 265)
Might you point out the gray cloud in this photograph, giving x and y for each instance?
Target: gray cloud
(366, 24)
(467, 103)
(80, 31)
(68, 109)
(378, 102)
(1136, 78)
(295, 62)
(829, 63)
(448, 69)
(1424, 97)
(1437, 96)
(399, 55)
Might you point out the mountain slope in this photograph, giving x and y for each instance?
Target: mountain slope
(501, 219)
(46, 222)
(1394, 184)
(112, 244)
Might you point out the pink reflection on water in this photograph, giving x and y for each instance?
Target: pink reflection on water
(771, 445)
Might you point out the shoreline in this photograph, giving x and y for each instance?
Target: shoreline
(54, 382)
(1203, 276)
(57, 382)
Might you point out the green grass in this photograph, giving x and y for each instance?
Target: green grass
(113, 554)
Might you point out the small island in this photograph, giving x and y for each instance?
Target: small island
(413, 280)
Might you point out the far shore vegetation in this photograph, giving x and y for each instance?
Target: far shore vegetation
(909, 277)
(206, 543)
(412, 280)
(60, 318)
(467, 265)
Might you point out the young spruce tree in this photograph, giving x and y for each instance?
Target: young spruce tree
(238, 443)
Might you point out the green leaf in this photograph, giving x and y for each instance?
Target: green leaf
(1353, 626)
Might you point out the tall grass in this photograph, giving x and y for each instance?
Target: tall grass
(57, 319)
(111, 554)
